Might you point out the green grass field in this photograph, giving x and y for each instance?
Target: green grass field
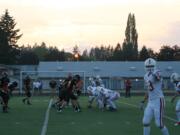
(28, 120)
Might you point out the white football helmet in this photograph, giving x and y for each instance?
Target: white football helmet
(175, 77)
(90, 79)
(97, 77)
(150, 64)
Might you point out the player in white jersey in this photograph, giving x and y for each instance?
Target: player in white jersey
(92, 92)
(156, 102)
(100, 98)
(110, 98)
(99, 81)
(175, 78)
(95, 93)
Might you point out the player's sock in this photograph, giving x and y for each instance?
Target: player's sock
(5, 109)
(79, 107)
(28, 102)
(24, 100)
(165, 131)
(147, 130)
(76, 109)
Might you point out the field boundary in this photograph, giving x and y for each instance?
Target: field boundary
(45, 124)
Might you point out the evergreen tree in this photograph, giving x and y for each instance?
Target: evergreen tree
(85, 56)
(7, 23)
(27, 56)
(92, 54)
(127, 51)
(130, 45)
(54, 54)
(4, 47)
(76, 53)
(117, 55)
(176, 49)
(134, 38)
(9, 35)
(152, 54)
(40, 50)
(143, 54)
(166, 53)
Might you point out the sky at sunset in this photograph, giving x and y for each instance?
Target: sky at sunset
(90, 23)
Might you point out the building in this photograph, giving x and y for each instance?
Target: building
(112, 73)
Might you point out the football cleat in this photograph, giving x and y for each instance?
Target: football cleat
(177, 124)
(60, 110)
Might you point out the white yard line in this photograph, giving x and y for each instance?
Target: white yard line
(169, 118)
(45, 124)
(165, 116)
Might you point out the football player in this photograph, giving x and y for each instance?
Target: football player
(99, 81)
(95, 93)
(69, 87)
(52, 85)
(100, 98)
(4, 93)
(155, 97)
(27, 84)
(91, 91)
(110, 98)
(175, 78)
(12, 86)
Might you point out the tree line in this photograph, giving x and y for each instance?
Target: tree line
(12, 53)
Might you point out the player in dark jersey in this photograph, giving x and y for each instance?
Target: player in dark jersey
(63, 93)
(4, 93)
(12, 86)
(27, 85)
(52, 85)
(79, 85)
(68, 93)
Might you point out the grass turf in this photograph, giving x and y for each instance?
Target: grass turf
(28, 120)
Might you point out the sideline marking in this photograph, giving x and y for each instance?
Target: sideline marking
(167, 117)
(44, 128)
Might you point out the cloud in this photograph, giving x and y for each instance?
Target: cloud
(94, 22)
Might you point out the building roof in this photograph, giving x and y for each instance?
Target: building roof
(108, 69)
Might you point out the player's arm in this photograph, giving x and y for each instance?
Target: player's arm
(157, 75)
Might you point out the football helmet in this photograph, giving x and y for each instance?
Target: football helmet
(4, 74)
(98, 77)
(150, 64)
(90, 79)
(175, 77)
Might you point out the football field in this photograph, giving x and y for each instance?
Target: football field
(39, 119)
